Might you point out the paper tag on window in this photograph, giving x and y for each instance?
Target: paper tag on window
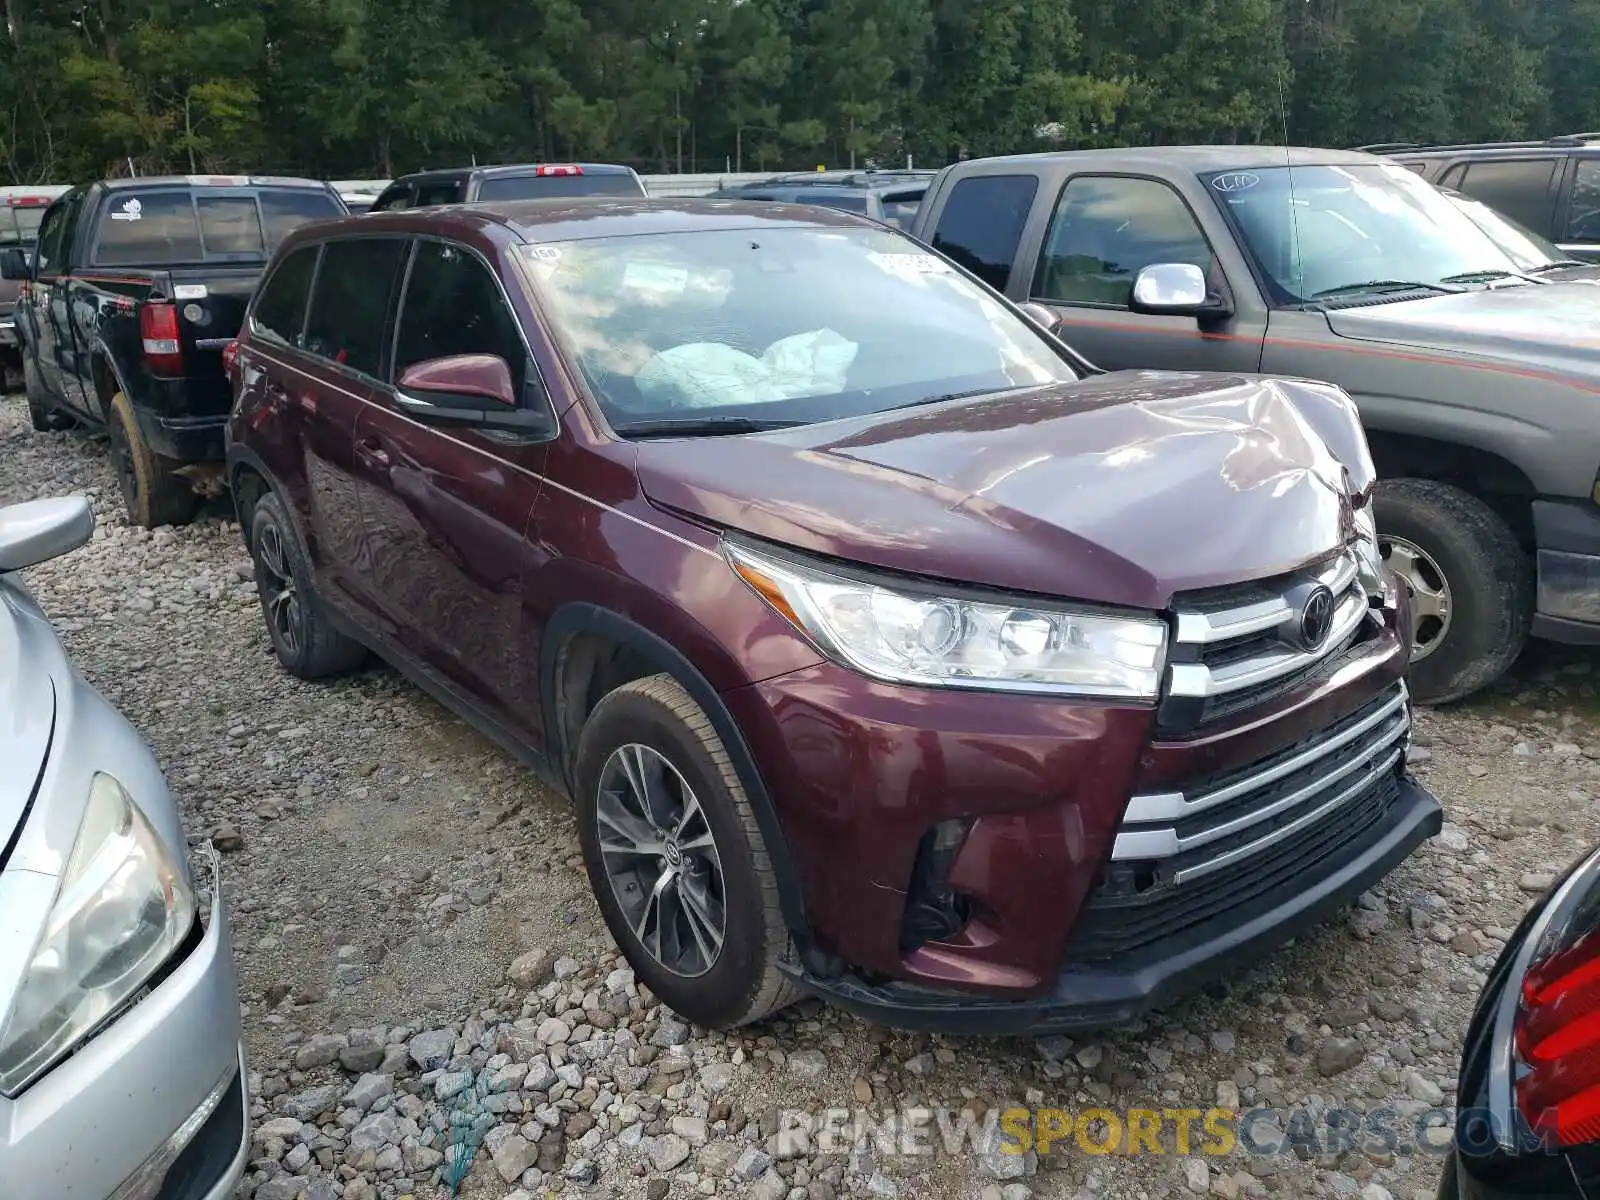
(910, 265)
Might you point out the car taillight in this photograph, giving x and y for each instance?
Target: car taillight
(158, 327)
(230, 358)
(559, 169)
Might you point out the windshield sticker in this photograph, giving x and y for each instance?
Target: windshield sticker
(545, 253)
(131, 210)
(910, 266)
(1235, 181)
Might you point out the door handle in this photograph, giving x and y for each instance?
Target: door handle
(374, 455)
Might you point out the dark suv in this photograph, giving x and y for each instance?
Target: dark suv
(1552, 187)
(889, 196)
(887, 650)
(527, 181)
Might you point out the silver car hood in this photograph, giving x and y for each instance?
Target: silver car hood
(32, 666)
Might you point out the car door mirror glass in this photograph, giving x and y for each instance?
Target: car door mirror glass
(461, 381)
(1170, 288)
(13, 263)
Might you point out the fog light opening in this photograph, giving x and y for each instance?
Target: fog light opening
(934, 912)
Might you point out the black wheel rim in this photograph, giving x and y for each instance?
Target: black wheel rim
(280, 598)
(661, 860)
(122, 460)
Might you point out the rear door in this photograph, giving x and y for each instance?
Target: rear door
(1525, 189)
(1579, 234)
(1103, 231)
(446, 510)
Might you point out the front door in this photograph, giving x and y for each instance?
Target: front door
(1105, 229)
(446, 514)
(48, 298)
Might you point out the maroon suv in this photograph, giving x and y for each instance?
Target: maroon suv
(887, 649)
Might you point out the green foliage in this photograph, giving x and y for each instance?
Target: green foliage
(350, 88)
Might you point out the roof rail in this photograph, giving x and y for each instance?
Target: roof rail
(1386, 147)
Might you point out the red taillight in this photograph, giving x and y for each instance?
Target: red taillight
(30, 201)
(230, 359)
(561, 169)
(1558, 1041)
(158, 326)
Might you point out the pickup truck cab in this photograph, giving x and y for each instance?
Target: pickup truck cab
(132, 294)
(524, 181)
(1476, 395)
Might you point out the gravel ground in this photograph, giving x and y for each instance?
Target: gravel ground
(423, 969)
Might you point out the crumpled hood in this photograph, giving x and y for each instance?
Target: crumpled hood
(1121, 489)
(30, 662)
(1547, 328)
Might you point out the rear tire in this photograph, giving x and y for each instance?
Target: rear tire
(45, 416)
(1472, 592)
(302, 635)
(153, 494)
(651, 730)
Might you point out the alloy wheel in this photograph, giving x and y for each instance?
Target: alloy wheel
(279, 597)
(1430, 593)
(660, 858)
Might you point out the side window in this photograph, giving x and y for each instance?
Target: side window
(453, 305)
(281, 308)
(1520, 188)
(445, 192)
(350, 304)
(1583, 217)
(394, 198)
(982, 222)
(1105, 231)
(48, 256)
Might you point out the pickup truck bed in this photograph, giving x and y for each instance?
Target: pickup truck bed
(135, 289)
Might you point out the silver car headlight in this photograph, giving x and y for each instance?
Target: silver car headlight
(908, 635)
(121, 908)
(1369, 560)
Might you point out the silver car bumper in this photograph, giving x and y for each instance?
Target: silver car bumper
(157, 1097)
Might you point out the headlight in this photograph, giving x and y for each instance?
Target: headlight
(121, 909)
(907, 635)
(1369, 562)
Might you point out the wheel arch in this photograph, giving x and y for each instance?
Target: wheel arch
(588, 651)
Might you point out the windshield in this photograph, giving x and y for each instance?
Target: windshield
(781, 325)
(553, 187)
(1525, 247)
(1320, 229)
(20, 226)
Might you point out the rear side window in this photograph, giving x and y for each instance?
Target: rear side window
(1583, 218)
(554, 187)
(846, 201)
(900, 209)
(281, 309)
(150, 228)
(447, 192)
(350, 305)
(392, 201)
(453, 306)
(982, 222)
(287, 209)
(1520, 188)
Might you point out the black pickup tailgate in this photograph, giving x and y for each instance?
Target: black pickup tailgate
(210, 302)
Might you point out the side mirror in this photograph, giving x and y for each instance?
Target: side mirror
(466, 389)
(1040, 315)
(1175, 289)
(13, 263)
(39, 530)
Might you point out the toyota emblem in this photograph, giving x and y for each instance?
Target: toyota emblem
(1316, 617)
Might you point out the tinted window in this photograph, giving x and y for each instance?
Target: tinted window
(1583, 219)
(351, 301)
(281, 308)
(542, 187)
(447, 192)
(230, 224)
(982, 223)
(845, 200)
(149, 229)
(1519, 188)
(453, 306)
(19, 225)
(49, 252)
(901, 208)
(1105, 231)
(285, 210)
(389, 201)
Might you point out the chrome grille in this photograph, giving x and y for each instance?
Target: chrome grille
(1234, 648)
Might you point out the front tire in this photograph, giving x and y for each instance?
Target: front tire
(676, 857)
(153, 494)
(303, 637)
(1471, 591)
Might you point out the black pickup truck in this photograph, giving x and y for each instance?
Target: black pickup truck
(133, 292)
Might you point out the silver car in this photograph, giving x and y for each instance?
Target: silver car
(120, 1065)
